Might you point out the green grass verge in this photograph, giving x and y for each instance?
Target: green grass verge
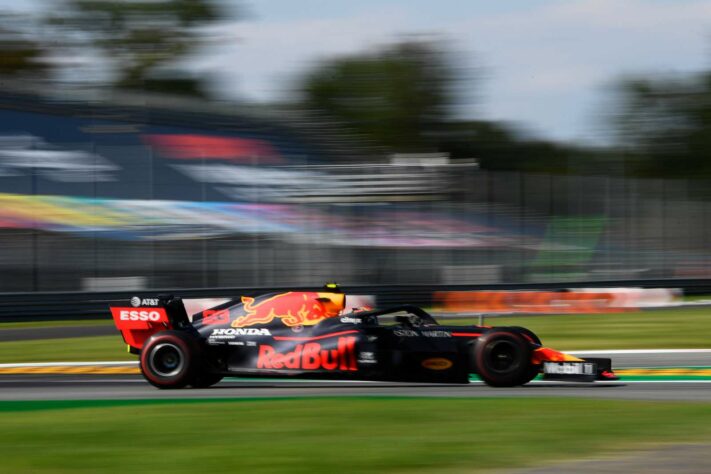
(60, 350)
(680, 328)
(696, 297)
(57, 324)
(334, 435)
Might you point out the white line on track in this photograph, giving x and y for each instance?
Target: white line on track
(642, 351)
(129, 363)
(10, 379)
(71, 364)
(552, 383)
(625, 382)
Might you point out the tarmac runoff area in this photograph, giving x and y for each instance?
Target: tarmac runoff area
(645, 375)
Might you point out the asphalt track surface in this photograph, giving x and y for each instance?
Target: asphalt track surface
(117, 386)
(65, 387)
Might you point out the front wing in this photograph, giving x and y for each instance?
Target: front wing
(560, 366)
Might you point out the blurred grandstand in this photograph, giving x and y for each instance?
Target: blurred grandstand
(141, 191)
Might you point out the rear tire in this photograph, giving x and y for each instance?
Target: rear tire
(503, 358)
(168, 359)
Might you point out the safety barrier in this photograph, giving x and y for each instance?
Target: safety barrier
(584, 300)
(94, 305)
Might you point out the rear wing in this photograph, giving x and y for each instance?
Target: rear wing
(146, 316)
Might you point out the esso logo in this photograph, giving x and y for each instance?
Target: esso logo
(127, 315)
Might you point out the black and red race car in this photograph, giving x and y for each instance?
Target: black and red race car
(307, 334)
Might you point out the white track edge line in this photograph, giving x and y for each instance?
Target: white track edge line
(126, 363)
(129, 363)
(642, 351)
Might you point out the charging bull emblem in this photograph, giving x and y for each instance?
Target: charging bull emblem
(293, 308)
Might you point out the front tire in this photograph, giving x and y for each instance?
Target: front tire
(169, 359)
(534, 369)
(503, 358)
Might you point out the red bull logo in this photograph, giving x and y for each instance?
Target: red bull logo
(311, 356)
(293, 308)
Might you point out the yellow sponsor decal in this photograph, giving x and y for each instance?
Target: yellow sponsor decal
(437, 363)
(64, 369)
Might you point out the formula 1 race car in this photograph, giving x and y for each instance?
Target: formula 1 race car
(307, 334)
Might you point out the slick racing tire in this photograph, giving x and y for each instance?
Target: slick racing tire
(534, 369)
(168, 359)
(527, 333)
(503, 358)
(205, 380)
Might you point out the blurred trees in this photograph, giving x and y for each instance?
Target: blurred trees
(136, 44)
(403, 97)
(665, 126)
(20, 55)
(497, 146)
(142, 40)
(395, 96)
